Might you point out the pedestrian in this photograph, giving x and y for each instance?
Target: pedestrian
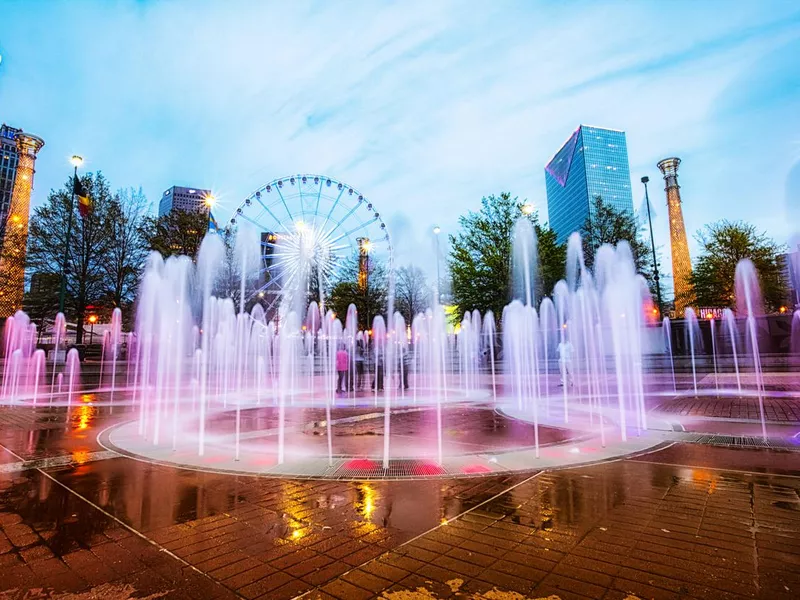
(359, 360)
(378, 381)
(405, 363)
(565, 361)
(342, 359)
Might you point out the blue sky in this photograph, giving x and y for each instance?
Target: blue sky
(423, 106)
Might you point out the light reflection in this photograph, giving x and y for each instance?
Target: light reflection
(365, 501)
(84, 414)
(80, 456)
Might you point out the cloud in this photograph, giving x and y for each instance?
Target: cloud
(423, 106)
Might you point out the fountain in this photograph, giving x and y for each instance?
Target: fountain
(213, 378)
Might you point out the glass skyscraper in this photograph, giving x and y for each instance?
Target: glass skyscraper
(9, 158)
(592, 162)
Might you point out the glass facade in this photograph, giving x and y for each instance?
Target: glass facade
(9, 159)
(592, 162)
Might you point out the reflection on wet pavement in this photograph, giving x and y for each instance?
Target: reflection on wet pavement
(649, 527)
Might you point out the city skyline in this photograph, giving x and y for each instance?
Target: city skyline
(412, 104)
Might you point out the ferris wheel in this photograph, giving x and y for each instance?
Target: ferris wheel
(309, 215)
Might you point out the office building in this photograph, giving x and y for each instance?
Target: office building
(9, 158)
(19, 150)
(185, 199)
(592, 162)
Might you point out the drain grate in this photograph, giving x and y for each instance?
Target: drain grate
(366, 469)
(742, 441)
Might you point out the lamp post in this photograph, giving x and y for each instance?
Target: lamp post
(364, 246)
(436, 231)
(92, 321)
(76, 161)
(210, 201)
(645, 179)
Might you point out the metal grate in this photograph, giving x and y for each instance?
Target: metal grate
(363, 468)
(742, 441)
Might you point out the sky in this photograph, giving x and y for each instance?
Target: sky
(423, 106)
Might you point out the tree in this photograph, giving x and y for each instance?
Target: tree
(480, 256)
(607, 225)
(412, 293)
(127, 254)
(722, 245)
(41, 300)
(177, 232)
(91, 239)
(370, 300)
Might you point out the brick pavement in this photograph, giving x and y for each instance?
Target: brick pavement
(626, 529)
(783, 410)
(580, 534)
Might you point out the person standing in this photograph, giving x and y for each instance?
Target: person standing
(359, 360)
(565, 361)
(342, 360)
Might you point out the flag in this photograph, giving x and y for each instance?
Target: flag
(212, 222)
(84, 202)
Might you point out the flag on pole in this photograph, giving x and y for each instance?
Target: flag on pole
(212, 222)
(84, 202)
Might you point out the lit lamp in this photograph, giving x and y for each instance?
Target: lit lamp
(210, 200)
(92, 321)
(76, 161)
(527, 208)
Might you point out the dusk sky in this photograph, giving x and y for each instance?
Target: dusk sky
(423, 106)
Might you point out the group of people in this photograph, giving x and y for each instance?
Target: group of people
(350, 373)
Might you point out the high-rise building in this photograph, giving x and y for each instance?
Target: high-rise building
(8, 170)
(16, 215)
(185, 199)
(592, 162)
(681, 263)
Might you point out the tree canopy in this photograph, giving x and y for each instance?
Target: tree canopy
(370, 299)
(722, 245)
(481, 255)
(91, 239)
(177, 232)
(608, 225)
(412, 292)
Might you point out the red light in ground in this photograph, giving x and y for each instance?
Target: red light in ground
(361, 464)
(476, 469)
(429, 468)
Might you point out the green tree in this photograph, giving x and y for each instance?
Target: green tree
(90, 242)
(722, 245)
(178, 232)
(607, 225)
(370, 299)
(480, 255)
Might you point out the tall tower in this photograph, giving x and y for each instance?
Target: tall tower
(681, 263)
(12, 255)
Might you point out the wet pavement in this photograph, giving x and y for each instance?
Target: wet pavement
(687, 521)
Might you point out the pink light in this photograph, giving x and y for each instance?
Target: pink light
(476, 469)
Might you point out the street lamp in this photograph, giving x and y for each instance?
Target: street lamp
(92, 321)
(436, 231)
(645, 179)
(76, 161)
